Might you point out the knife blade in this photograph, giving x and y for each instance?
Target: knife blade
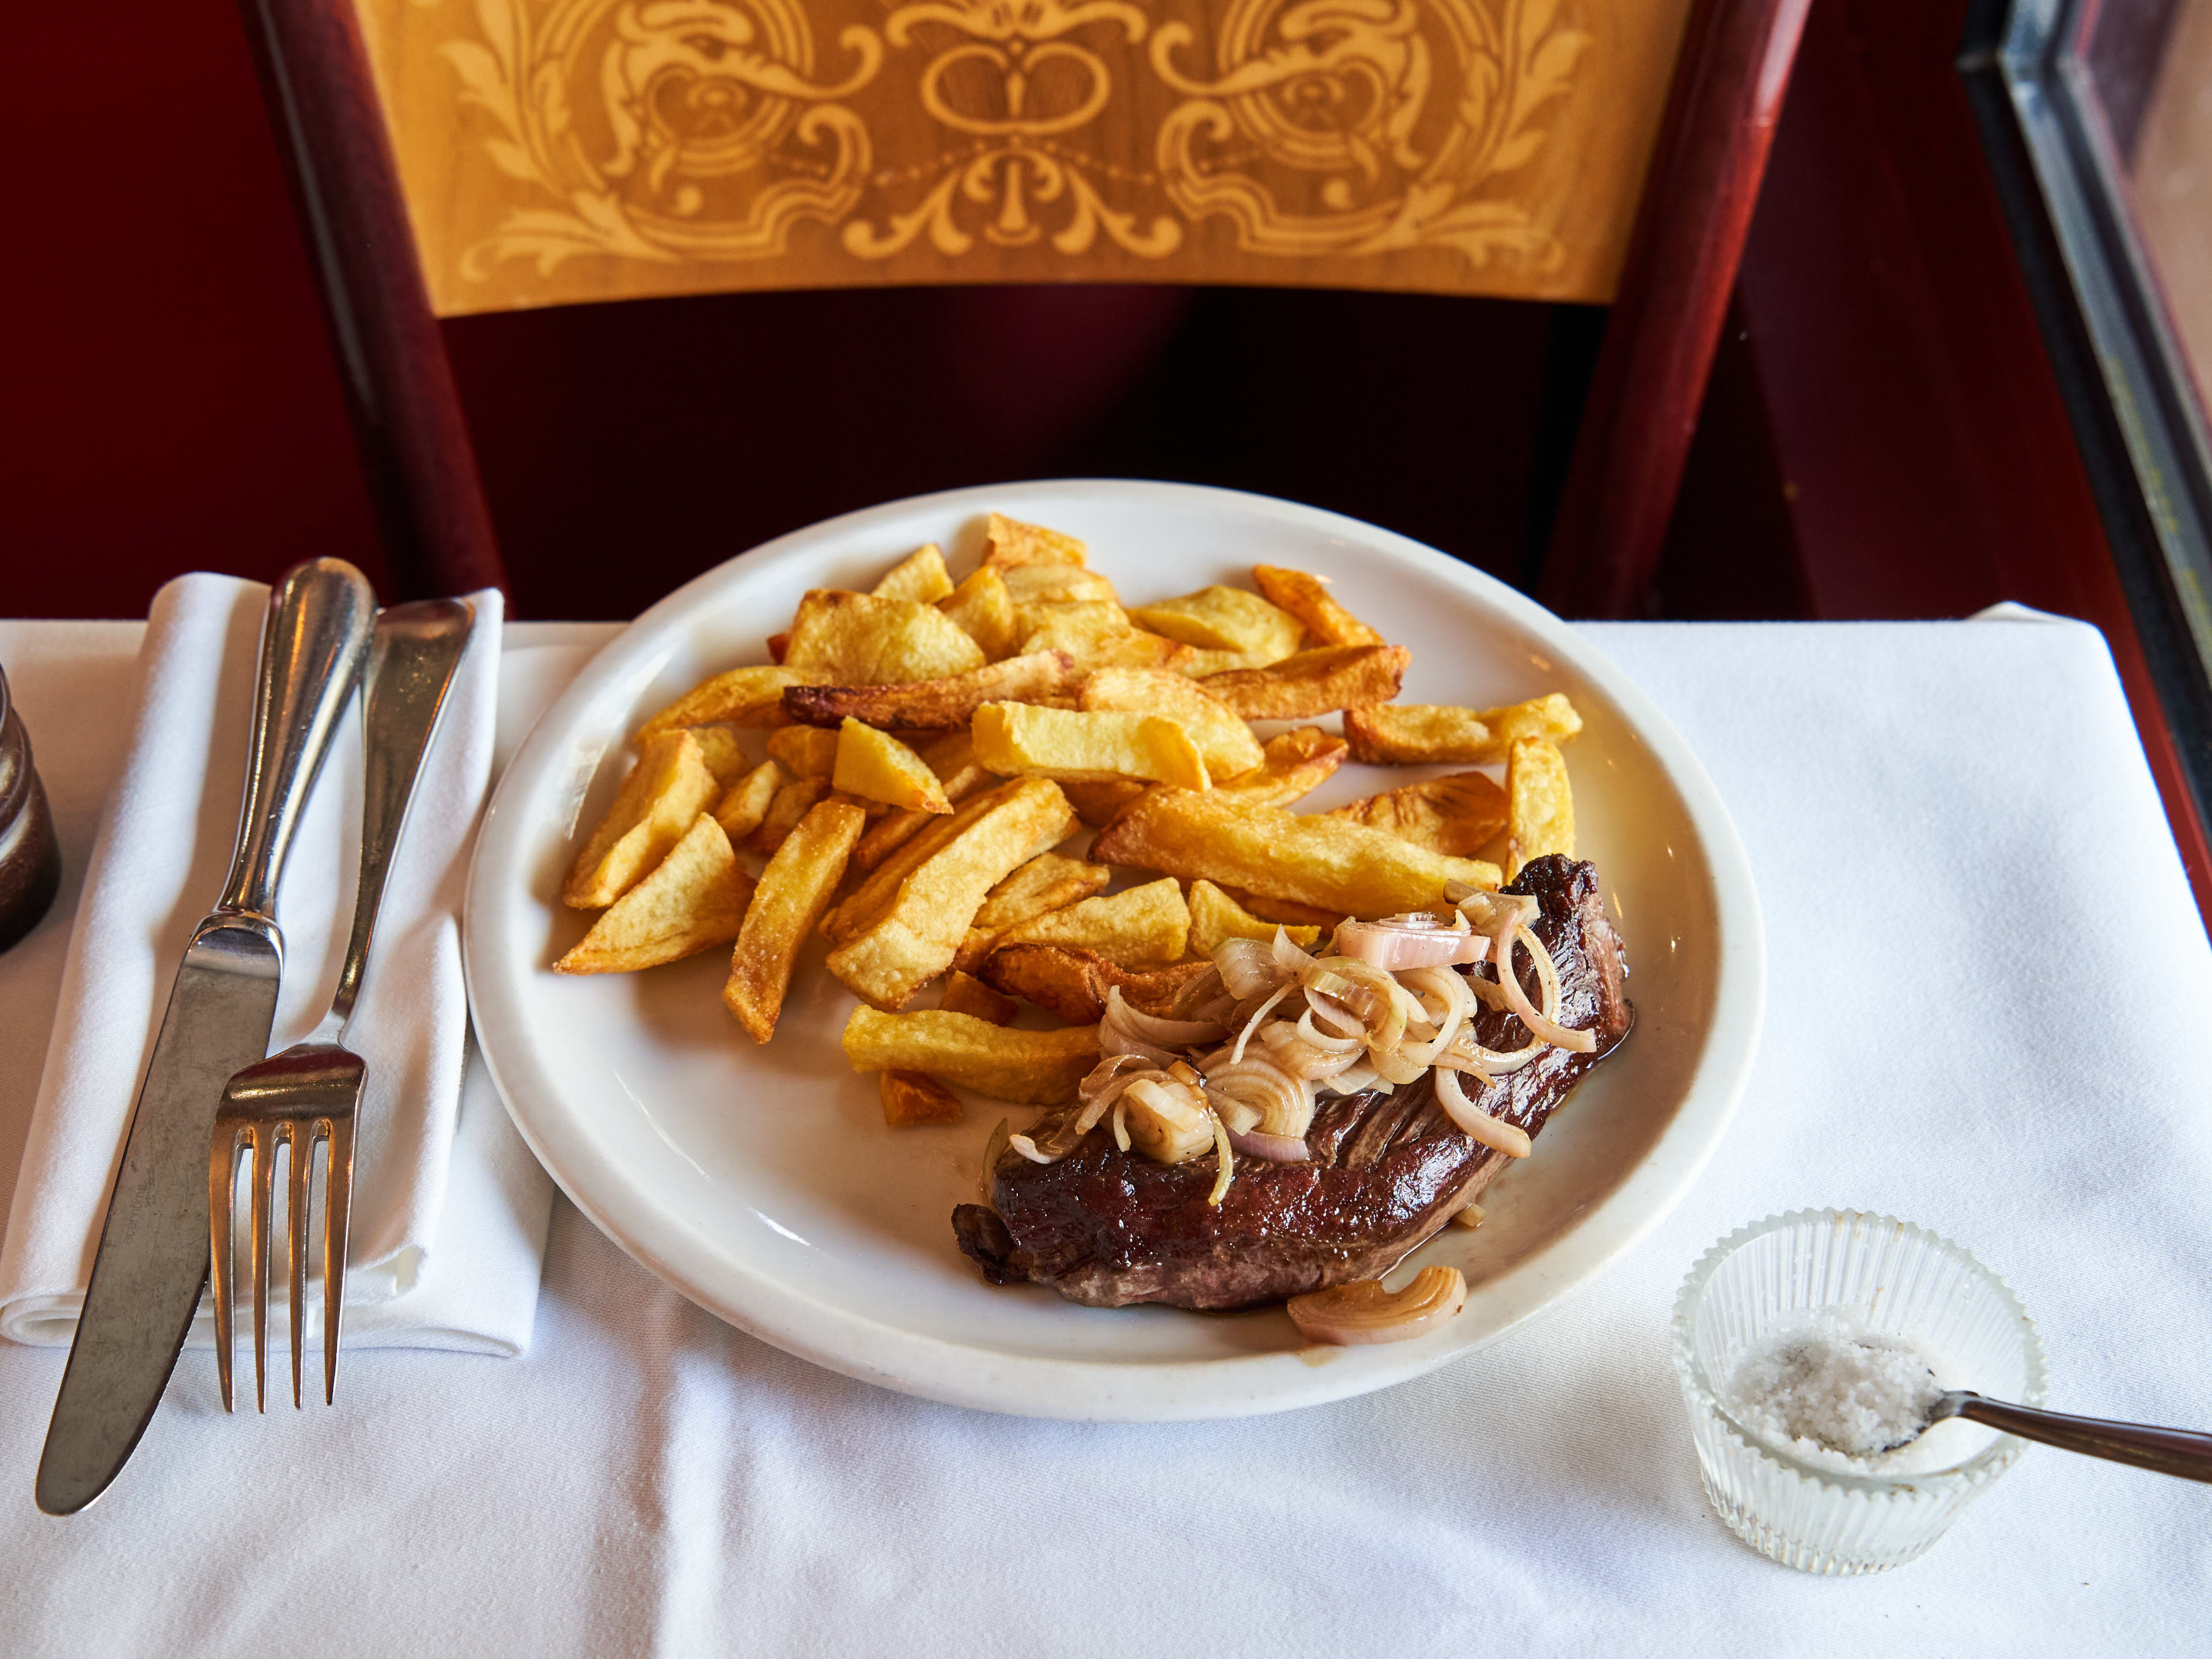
(152, 1260)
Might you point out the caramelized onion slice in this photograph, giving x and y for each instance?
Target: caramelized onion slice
(1363, 1311)
(1507, 1138)
(1409, 942)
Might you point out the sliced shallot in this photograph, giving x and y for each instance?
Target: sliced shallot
(1476, 1123)
(1363, 1311)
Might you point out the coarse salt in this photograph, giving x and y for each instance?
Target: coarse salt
(1832, 1389)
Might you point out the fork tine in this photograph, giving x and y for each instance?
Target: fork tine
(264, 1184)
(223, 1188)
(337, 1204)
(295, 1243)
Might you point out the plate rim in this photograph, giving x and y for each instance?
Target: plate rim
(1093, 1389)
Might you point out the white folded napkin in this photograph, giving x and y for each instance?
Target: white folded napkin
(450, 1210)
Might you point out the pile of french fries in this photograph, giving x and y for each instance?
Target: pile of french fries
(933, 752)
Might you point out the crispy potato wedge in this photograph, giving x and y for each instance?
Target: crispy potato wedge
(952, 757)
(1539, 807)
(1456, 814)
(943, 705)
(1146, 926)
(983, 608)
(804, 751)
(877, 766)
(744, 803)
(1019, 740)
(1221, 735)
(695, 897)
(1317, 682)
(921, 576)
(1225, 619)
(792, 802)
(1296, 764)
(1009, 543)
(743, 696)
(1411, 734)
(1073, 983)
(1096, 802)
(910, 1098)
(1056, 584)
(1032, 1068)
(1047, 882)
(792, 894)
(856, 639)
(669, 787)
(1098, 636)
(921, 930)
(1287, 913)
(1322, 861)
(723, 752)
(1215, 916)
(867, 902)
(966, 994)
(1307, 598)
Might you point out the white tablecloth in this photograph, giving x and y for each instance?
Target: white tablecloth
(645, 1480)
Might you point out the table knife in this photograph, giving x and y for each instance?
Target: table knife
(152, 1262)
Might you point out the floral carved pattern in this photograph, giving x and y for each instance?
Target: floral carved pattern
(688, 130)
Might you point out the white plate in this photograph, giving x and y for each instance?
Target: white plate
(761, 1182)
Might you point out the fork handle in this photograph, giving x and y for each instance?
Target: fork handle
(312, 648)
(416, 652)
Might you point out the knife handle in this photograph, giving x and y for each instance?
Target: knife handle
(313, 647)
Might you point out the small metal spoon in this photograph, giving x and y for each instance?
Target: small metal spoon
(2170, 1451)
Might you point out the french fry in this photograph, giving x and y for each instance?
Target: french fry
(1316, 682)
(1073, 983)
(743, 696)
(921, 576)
(876, 766)
(1096, 802)
(668, 788)
(1457, 814)
(1295, 763)
(695, 898)
(792, 894)
(1146, 926)
(1287, 913)
(1411, 734)
(1056, 583)
(745, 803)
(1221, 735)
(983, 608)
(1008, 542)
(952, 757)
(804, 751)
(966, 994)
(792, 802)
(1215, 916)
(1539, 807)
(1225, 619)
(1033, 1068)
(941, 705)
(1016, 740)
(1308, 598)
(1098, 636)
(777, 645)
(722, 752)
(911, 1098)
(856, 639)
(1322, 861)
(919, 934)
(1047, 882)
(867, 902)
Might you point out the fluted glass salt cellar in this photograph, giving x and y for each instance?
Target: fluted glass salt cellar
(1784, 1500)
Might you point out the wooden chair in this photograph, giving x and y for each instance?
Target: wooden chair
(462, 157)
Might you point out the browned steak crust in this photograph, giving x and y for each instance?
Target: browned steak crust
(1107, 1228)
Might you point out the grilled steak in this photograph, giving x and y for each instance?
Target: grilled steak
(1107, 1228)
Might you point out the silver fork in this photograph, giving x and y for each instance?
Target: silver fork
(312, 1091)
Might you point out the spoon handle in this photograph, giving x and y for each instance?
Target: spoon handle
(2170, 1451)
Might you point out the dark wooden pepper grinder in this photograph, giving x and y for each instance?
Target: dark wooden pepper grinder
(30, 856)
